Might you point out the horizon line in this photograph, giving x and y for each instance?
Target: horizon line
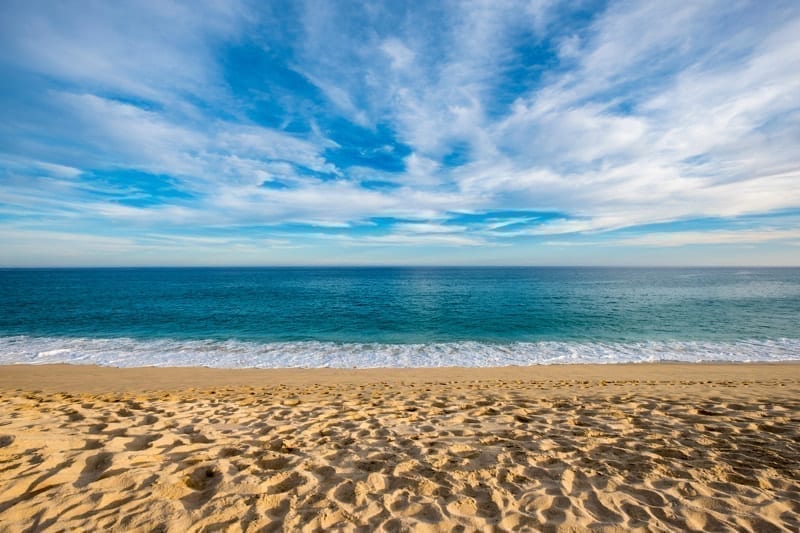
(334, 265)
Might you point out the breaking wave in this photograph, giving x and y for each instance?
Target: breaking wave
(128, 352)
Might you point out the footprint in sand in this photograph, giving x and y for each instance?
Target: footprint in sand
(142, 442)
(463, 506)
(428, 513)
(202, 478)
(345, 493)
(599, 511)
(94, 468)
(463, 450)
(148, 420)
(285, 482)
(273, 462)
(371, 465)
(230, 452)
(203, 481)
(92, 444)
(74, 416)
(97, 428)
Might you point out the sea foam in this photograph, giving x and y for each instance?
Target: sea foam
(128, 352)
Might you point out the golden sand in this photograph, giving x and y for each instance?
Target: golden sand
(624, 447)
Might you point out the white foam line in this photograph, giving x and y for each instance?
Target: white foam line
(127, 352)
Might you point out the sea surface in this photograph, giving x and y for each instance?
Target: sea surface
(397, 317)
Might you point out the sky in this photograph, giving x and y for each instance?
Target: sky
(399, 133)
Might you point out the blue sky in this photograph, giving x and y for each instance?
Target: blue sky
(486, 133)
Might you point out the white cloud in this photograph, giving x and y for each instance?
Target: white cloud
(495, 225)
(399, 54)
(569, 47)
(723, 95)
(414, 239)
(742, 237)
(422, 227)
(34, 247)
(149, 49)
(551, 227)
(421, 171)
(59, 171)
(695, 117)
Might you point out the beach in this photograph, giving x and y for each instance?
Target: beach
(559, 447)
(399, 266)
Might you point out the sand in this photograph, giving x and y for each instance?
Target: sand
(617, 448)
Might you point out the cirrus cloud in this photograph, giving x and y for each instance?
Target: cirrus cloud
(477, 125)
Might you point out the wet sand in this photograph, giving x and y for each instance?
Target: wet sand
(620, 447)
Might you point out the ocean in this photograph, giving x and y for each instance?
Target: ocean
(397, 317)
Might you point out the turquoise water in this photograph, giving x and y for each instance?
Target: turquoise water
(396, 316)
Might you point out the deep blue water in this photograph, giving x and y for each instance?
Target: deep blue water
(327, 314)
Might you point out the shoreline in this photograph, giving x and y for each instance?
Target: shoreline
(94, 378)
